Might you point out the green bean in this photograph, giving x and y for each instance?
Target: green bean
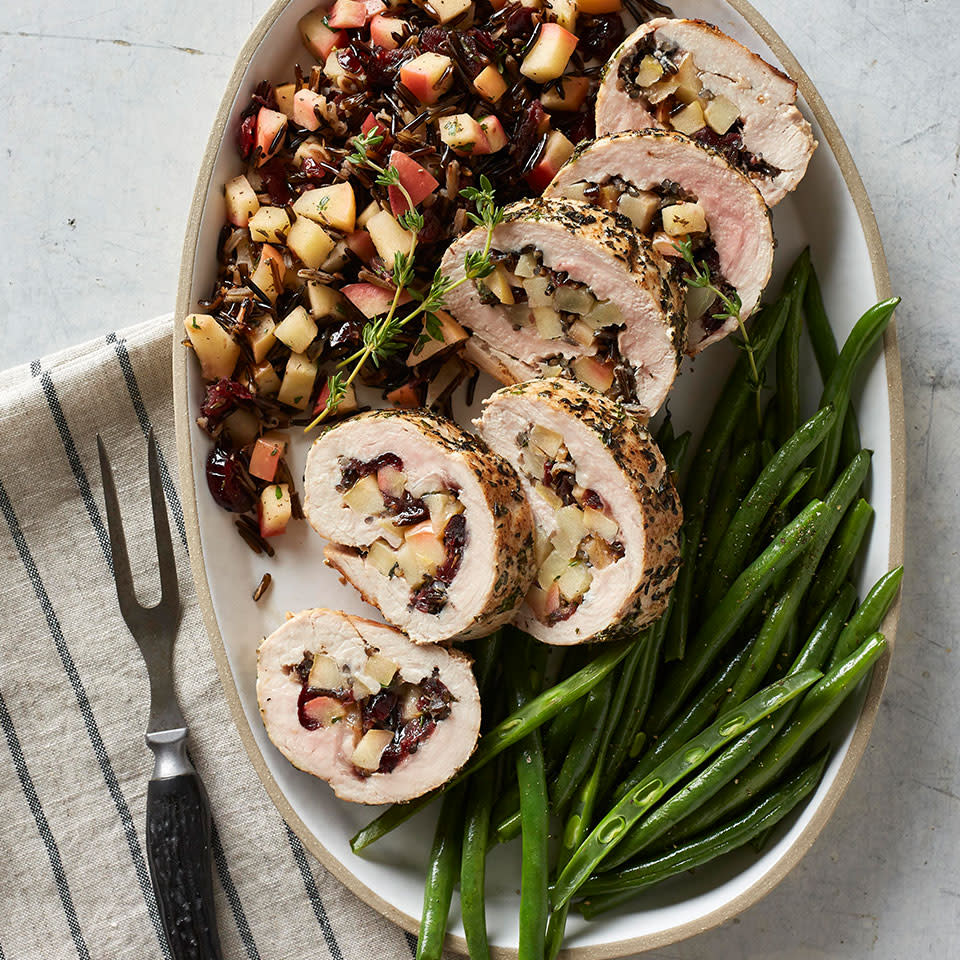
(535, 827)
(727, 410)
(740, 535)
(505, 734)
(746, 592)
(794, 485)
(559, 734)
(840, 556)
(583, 750)
(611, 890)
(783, 617)
(869, 614)
(826, 352)
(735, 757)
(733, 486)
(788, 352)
(814, 711)
(626, 812)
(699, 711)
(868, 330)
(441, 874)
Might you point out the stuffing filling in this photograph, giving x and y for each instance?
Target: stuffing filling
(423, 537)
(670, 84)
(586, 539)
(388, 717)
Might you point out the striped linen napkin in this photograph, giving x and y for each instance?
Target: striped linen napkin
(74, 696)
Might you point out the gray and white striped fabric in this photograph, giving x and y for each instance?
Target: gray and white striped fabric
(74, 697)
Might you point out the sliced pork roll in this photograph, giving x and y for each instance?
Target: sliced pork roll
(575, 291)
(688, 76)
(424, 521)
(357, 704)
(676, 191)
(606, 511)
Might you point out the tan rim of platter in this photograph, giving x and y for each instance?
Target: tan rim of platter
(868, 713)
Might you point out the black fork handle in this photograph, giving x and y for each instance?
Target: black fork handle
(179, 854)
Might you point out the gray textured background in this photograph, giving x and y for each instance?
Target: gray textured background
(105, 109)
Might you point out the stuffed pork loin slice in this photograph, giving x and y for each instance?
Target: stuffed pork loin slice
(688, 76)
(426, 522)
(606, 511)
(674, 191)
(577, 291)
(355, 703)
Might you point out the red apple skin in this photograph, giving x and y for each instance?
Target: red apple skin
(272, 253)
(303, 113)
(494, 132)
(406, 396)
(372, 125)
(347, 14)
(419, 80)
(555, 154)
(271, 124)
(382, 30)
(265, 458)
(416, 180)
(371, 300)
(274, 523)
(361, 244)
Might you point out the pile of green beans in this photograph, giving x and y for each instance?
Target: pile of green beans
(691, 739)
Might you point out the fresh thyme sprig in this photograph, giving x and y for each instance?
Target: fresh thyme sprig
(380, 335)
(730, 307)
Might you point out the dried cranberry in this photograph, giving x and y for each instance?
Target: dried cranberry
(454, 540)
(434, 40)
(246, 136)
(378, 711)
(518, 21)
(382, 69)
(528, 135)
(222, 397)
(406, 509)
(353, 470)
(476, 48)
(228, 481)
(435, 698)
(275, 183)
(311, 169)
(407, 740)
(561, 482)
(306, 721)
(429, 597)
(344, 336)
(592, 499)
(349, 59)
(579, 126)
(600, 36)
(434, 228)
(265, 96)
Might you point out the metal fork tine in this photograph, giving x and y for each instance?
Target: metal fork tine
(169, 585)
(122, 575)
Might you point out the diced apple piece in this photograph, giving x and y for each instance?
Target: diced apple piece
(336, 72)
(428, 546)
(494, 134)
(659, 91)
(385, 30)
(428, 77)
(447, 10)
(216, 349)
(533, 461)
(391, 480)
(542, 490)
(415, 179)
(581, 332)
(313, 149)
(409, 702)
(688, 80)
(570, 530)
(382, 558)
(573, 299)
(374, 127)
(543, 602)
(266, 455)
(309, 242)
(550, 53)
(548, 324)
(411, 565)
(274, 509)
(664, 244)
(265, 379)
(270, 272)
(334, 206)
(555, 154)
(489, 83)
(545, 439)
(269, 225)
(370, 749)
(304, 113)
(499, 285)
(271, 130)
(298, 380)
(599, 523)
(284, 93)
(317, 37)
(324, 710)
(365, 496)
(361, 689)
(262, 338)
(361, 245)
(721, 114)
(442, 379)
(536, 288)
(406, 396)
(689, 119)
(681, 219)
(566, 94)
(338, 259)
(563, 12)
(451, 334)
(604, 314)
(381, 668)
(371, 300)
(297, 330)
(575, 581)
(389, 237)
(325, 674)
(552, 569)
(599, 553)
(593, 373)
(462, 134)
(442, 507)
(640, 209)
(649, 72)
(526, 266)
(324, 300)
(347, 14)
(541, 546)
(348, 402)
(241, 201)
